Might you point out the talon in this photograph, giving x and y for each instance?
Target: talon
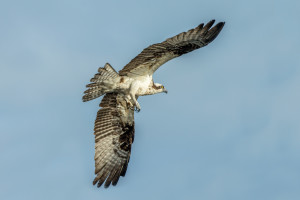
(138, 107)
(134, 103)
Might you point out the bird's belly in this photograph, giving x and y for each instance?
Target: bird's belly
(142, 85)
(139, 86)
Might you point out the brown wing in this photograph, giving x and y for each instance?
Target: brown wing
(151, 58)
(114, 134)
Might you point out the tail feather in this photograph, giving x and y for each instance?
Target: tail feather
(109, 68)
(103, 75)
(101, 83)
(92, 95)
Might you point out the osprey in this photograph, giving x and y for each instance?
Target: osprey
(114, 125)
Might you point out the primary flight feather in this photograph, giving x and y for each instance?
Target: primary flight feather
(114, 125)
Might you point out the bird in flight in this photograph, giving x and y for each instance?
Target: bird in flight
(114, 124)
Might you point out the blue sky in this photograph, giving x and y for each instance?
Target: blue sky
(228, 128)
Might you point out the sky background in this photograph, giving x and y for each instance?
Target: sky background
(229, 128)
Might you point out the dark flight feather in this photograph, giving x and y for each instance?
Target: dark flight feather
(114, 135)
(151, 58)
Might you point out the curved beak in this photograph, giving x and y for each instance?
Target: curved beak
(165, 91)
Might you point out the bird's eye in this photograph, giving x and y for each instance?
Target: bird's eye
(162, 87)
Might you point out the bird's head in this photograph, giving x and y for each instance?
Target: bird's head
(159, 88)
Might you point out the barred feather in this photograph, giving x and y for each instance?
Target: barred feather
(151, 58)
(102, 83)
(114, 135)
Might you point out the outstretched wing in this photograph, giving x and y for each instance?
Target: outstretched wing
(151, 58)
(114, 134)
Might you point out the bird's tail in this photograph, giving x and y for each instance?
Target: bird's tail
(103, 82)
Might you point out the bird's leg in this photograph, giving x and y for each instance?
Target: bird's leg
(137, 106)
(135, 102)
(129, 103)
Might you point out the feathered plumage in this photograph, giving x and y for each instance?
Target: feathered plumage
(151, 58)
(114, 134)
(114, 125)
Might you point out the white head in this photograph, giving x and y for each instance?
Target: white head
(156, 88)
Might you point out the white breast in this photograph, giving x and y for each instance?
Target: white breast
(141, 84)
(136, 85)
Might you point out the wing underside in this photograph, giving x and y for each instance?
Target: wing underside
(114, 134)
(151, 58)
